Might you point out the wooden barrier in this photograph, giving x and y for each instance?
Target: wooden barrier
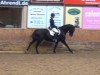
(18, 40)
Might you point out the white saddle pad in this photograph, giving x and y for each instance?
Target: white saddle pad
(53, 31)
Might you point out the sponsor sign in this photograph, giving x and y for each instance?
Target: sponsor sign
(91, 18)
(82, 2)
(39, 16)
(74, 16)
(14, 2)
(58, 10)
(36, 16)
(47, 1)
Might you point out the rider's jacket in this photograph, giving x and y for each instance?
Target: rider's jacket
(52, 24)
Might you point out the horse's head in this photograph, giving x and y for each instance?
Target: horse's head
(71, 31)
(68, 28)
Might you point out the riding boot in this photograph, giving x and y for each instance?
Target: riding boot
(55, 40)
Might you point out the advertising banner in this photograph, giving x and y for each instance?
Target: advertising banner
(58, 10)
(39, 16)
(14, 2)
(91, 18)
(36, 16)
(46, 1)
(74, 16)
(82, 2)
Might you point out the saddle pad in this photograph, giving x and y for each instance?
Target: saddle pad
(53, 31)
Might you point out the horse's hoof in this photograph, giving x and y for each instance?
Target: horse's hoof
(72, 52)
(26, 51)
(54, 52)
(37, 52)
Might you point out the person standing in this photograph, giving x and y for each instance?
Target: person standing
(77, 22)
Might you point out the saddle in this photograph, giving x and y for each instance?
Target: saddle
(53, 31)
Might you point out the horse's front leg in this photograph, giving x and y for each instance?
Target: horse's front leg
(56, 43)
(63, 41)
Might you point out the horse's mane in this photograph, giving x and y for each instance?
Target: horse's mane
(66, 26)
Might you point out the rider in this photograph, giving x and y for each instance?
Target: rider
(52, 26)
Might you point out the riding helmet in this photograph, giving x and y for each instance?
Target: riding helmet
(52, 14)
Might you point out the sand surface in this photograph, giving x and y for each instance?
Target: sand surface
(83, 62)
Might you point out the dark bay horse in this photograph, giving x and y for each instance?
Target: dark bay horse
(43, 34)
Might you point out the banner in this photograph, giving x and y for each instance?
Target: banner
(46, 1)
(36, 16)
(14, 2)
(39, 16)
(82, 2)
(91, 18)
(58, 10)
(73, 16)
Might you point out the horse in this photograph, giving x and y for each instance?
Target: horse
(43, 34)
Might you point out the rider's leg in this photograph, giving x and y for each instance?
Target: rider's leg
(55, 37)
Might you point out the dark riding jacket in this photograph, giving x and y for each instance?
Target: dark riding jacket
(52, 24)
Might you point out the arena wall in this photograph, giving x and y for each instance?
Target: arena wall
(17, 40)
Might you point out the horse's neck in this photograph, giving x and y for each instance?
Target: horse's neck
(65, 31)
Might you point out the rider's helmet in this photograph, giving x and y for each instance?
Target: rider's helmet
(52, 14)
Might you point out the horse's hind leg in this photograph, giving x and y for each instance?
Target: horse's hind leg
(37, 44)
(30, 44)
(67, 46)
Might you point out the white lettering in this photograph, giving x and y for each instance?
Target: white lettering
(90, 0)
(92, 14)
(24, 3)
(10, 3)
(13, 3)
